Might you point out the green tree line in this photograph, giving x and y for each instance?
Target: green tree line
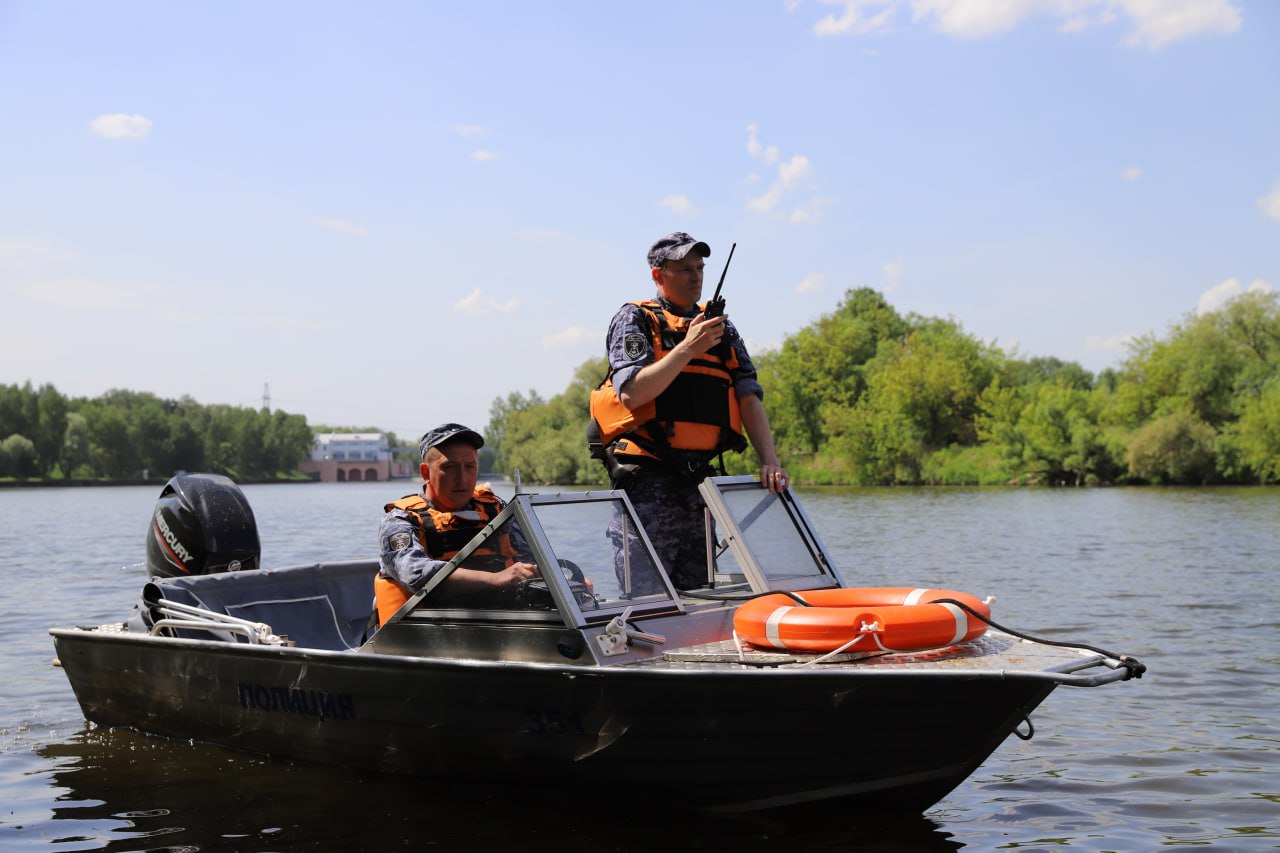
(130, 434)
(866, 395)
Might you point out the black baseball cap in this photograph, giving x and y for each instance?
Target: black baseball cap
(448, 432)
(675, 246)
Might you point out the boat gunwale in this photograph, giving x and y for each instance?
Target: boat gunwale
(1068, 673)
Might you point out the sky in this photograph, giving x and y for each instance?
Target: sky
(390, 214)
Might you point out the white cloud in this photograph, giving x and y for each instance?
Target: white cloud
(795, 171)
(794, 174)
(1161, 22)
(1156, 23)
(343, 225)
(480, 155)
(1224, 291)
(764, 203)
(17, 249)
(469, 130)
(479, 305)
(809, 213)
(1132, 173)
(860, 17)
(565, 338)
(892, 276)
(1270, 204)
(757, 151)
(678, 204)
(121, 126)
(1115, 343)
(812, 283)
(976, 18)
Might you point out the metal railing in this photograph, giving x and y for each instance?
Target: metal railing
(176, 616)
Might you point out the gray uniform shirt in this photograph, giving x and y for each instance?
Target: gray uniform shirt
(403, 558)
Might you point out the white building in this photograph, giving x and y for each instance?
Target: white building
(353, 457)
(350, 447)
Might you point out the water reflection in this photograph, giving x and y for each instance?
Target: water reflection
(124, 791)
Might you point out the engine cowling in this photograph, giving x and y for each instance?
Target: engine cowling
(201, 524)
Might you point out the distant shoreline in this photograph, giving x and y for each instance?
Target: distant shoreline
(48, 484)
(493, 477)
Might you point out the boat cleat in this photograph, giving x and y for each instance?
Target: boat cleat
(618, 635)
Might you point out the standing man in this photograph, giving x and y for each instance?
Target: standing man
(681, 390)
(420, 532)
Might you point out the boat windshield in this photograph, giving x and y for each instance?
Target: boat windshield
(604, 556)
(765, 536)
(593, 558)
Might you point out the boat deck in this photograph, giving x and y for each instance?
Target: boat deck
(994, 652)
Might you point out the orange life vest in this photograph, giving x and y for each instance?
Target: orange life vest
(442, 534)
(697, 412)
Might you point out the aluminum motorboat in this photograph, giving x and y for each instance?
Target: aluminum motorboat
(599, 673)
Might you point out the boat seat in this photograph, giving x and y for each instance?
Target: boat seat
(318, 605)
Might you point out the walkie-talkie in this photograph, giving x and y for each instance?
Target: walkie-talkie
(715, 307)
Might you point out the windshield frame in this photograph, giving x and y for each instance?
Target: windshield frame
(732, 535)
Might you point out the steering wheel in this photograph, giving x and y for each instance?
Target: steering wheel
(534, 594)
(572, 571)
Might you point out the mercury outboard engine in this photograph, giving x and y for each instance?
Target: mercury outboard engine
(201, 524)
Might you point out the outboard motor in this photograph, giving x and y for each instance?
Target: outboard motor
(201, 524)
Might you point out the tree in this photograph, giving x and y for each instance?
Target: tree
(17, 410)
(1255, 439)
(1174, 448)
(921, 396)
(111, 452)
(287, 441)
(820, 368)
(1063, 442)
(502, 411)
(1045, 369)
(76, 452)
(18, 457)
(149, 434)
(546, 440)
(51, 427)
(187, 423)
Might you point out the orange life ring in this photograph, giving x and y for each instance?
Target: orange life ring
(893, 619)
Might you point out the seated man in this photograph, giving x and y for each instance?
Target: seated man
(420, 532)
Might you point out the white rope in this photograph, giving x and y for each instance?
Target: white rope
(834, 652)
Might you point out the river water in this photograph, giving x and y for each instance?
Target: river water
(1185, 580)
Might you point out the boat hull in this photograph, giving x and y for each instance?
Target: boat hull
(725, 738)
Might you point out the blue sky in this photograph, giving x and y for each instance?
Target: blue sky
(393, 213)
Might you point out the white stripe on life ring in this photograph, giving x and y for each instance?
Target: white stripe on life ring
(962, 623)
(915, 596)
(771, 626)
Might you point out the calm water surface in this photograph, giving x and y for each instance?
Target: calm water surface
(1188, 756)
